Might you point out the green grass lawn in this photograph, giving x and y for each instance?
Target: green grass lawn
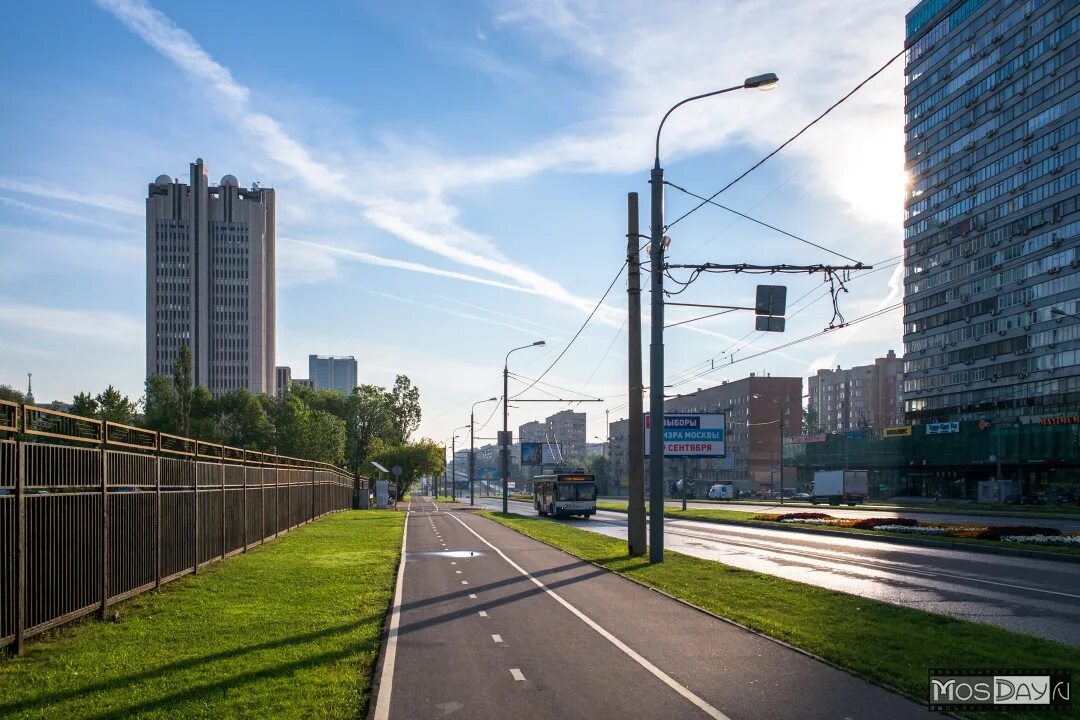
(745, 518)
(883, 643)
(289, 630)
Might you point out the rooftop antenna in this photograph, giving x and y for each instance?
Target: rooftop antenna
(29, 387)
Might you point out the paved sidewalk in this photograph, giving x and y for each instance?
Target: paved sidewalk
(478, 639)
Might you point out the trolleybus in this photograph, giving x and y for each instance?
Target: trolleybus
(565, 494)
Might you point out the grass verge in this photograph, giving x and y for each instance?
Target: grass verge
(883, 643)
(290, 630)
(742, 518)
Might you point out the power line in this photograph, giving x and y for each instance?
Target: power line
(787, 142)
(606, 352)
(797, 341)
(710, 201)
(578, 333)
(522, 379)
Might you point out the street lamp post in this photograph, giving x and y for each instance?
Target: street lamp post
(656, 346)
(506, 420)
(767, 81)
(453, 462)
(472, 449)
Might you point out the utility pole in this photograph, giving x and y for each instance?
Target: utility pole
(453, 467)
(656, 363)
(636, 433)
(780, 424)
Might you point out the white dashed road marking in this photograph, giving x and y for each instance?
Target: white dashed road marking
(517, 675)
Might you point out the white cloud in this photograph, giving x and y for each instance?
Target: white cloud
(61, 215)
(825, 362)
(110, 327)
(428, 224)
(59, 192)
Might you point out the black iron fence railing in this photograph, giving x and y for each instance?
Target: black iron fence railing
(92, 512)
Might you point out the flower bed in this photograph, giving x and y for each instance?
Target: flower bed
(1028, 534)
(1062, 540)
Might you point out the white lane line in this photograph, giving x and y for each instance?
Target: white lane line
(656, 672)
(464, 582)
(453, 563)
(472, 596)
(458, 572)
(496, 638)
(386, 680)
(483, 613)
(517, 675)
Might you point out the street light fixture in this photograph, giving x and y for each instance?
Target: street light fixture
(656, 346)
(506, 419)
(472, 449)
(453, 462)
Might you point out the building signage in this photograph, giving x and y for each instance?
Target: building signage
(695, 435)
(803, 439)
(1060, 420)
(942, 428)
(898, 431)
(537, 453)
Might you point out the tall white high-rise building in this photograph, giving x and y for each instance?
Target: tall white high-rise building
(210, 280)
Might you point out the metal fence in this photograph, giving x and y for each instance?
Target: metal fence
(92, 512)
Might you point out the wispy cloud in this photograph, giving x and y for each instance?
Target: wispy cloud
(110, 327)
(61, 215)
(428, 224)
(58, 192)
(449, 311)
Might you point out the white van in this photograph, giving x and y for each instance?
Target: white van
(720, 492)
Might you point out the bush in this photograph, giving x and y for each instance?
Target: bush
(996, 532)
(871, 523)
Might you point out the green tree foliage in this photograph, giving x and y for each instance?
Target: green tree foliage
(85, 405)
(405, 409)
(600, 466)
(243, 421)
(11, 394)
(183, 383)
(202, 415)
(416, 459)
(161, 405)
(113, 406)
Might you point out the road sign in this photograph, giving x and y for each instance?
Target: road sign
(396, 470)
(506, 437)
(768, 323)
(770, 300)
(692, 435)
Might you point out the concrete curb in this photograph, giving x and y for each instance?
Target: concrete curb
(921, 542)
(729, 621)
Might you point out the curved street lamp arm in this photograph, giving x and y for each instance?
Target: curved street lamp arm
(683, 102)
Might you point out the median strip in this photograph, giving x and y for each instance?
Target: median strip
(886, 644)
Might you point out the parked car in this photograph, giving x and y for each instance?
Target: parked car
(802, 497)
(720, 492)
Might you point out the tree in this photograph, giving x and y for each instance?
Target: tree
(202, 416)
(369, 417)
(242, 421)
(161, 405)
(114, 407)
(600, 466)
(11, 394)
(405, 406)
(84, 405)
(324, 438)
(416, 459)
(182, 382)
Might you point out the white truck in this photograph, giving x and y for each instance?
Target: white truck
(840, 486)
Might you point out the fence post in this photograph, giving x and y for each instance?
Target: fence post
(20, 546)
(104, 530)
(243, 509)
(195, 494)
(313, 486)
(157, 518)
(224, 508)
(277, 503)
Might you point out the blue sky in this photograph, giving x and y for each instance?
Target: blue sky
(451, 179)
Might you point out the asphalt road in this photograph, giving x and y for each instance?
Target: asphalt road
(1038, 597)
(473, 637)
(1064, 524)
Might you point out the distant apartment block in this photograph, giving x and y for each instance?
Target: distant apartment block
(865, 396)
(566, 429)
(282, 378)
(752, 439)
(329, 372)
(210, 280)
(992, 220)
